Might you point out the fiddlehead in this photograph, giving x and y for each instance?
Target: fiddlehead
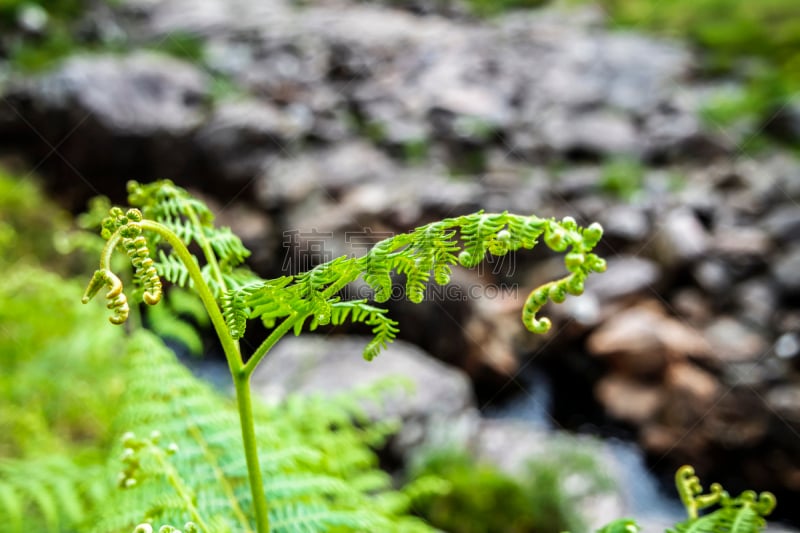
(743, 514)
(135, 245)
(117, 301)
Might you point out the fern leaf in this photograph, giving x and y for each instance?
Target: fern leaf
(311, 451)
(228, 247)
(172, 269)
(50, 493)
(235, 309)
(476, 233)
(384, 329)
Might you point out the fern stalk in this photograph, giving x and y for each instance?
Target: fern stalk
(241, 378)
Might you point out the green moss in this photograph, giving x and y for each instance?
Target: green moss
(494, 7)
(483, 499)
(622, 177)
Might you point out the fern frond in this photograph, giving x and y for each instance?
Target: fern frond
(51, 494)
(476, 232)
(384, 329)
(172, 269)
(311, 452)
(743, 514)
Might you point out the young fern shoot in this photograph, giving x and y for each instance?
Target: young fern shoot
(164, 220)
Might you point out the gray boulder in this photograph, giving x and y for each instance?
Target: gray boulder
(327, 366)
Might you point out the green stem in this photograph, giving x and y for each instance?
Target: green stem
(241, 381)
(229, 346)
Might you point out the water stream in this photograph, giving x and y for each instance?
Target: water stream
(645, 497)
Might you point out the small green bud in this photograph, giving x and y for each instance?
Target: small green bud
(465, 259)
(573, 260)
(155, 435)
(557, 293)
(172, 449)
(539, 296)
(129, 483)
(556, 238)
(134, 215)
(575, 285)
(598, 264)
(592, 234)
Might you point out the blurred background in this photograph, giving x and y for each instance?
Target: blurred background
(314, 128)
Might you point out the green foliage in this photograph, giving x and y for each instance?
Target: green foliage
(318, 467)
(52, 493)
(156, 234)
(743, 514)
(61, 453)
(27, 221)
(178, 319)
(483, 499)
(58, 384)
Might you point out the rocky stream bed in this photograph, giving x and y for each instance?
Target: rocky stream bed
(318, 129)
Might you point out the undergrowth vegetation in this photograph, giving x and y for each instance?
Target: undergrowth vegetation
(484, 499)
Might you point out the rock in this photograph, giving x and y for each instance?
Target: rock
(680, 239)
(786, 270)
(98, 116)
(690, 304)
(784, 400)
(240, 136)
(142, 94)
(624, 277)
(783, 223)
(739, 419)
(321, 365)
(686, 378)
(675, 134)
(641, 341)
(628, 400)
(740, 243)
(577, 181)
(784, 404)
(330, 172)
(713, 276)
(787, 346)
(757, 300)
(733, 341)
(598, 133)
(626, 222)
(470, 114)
